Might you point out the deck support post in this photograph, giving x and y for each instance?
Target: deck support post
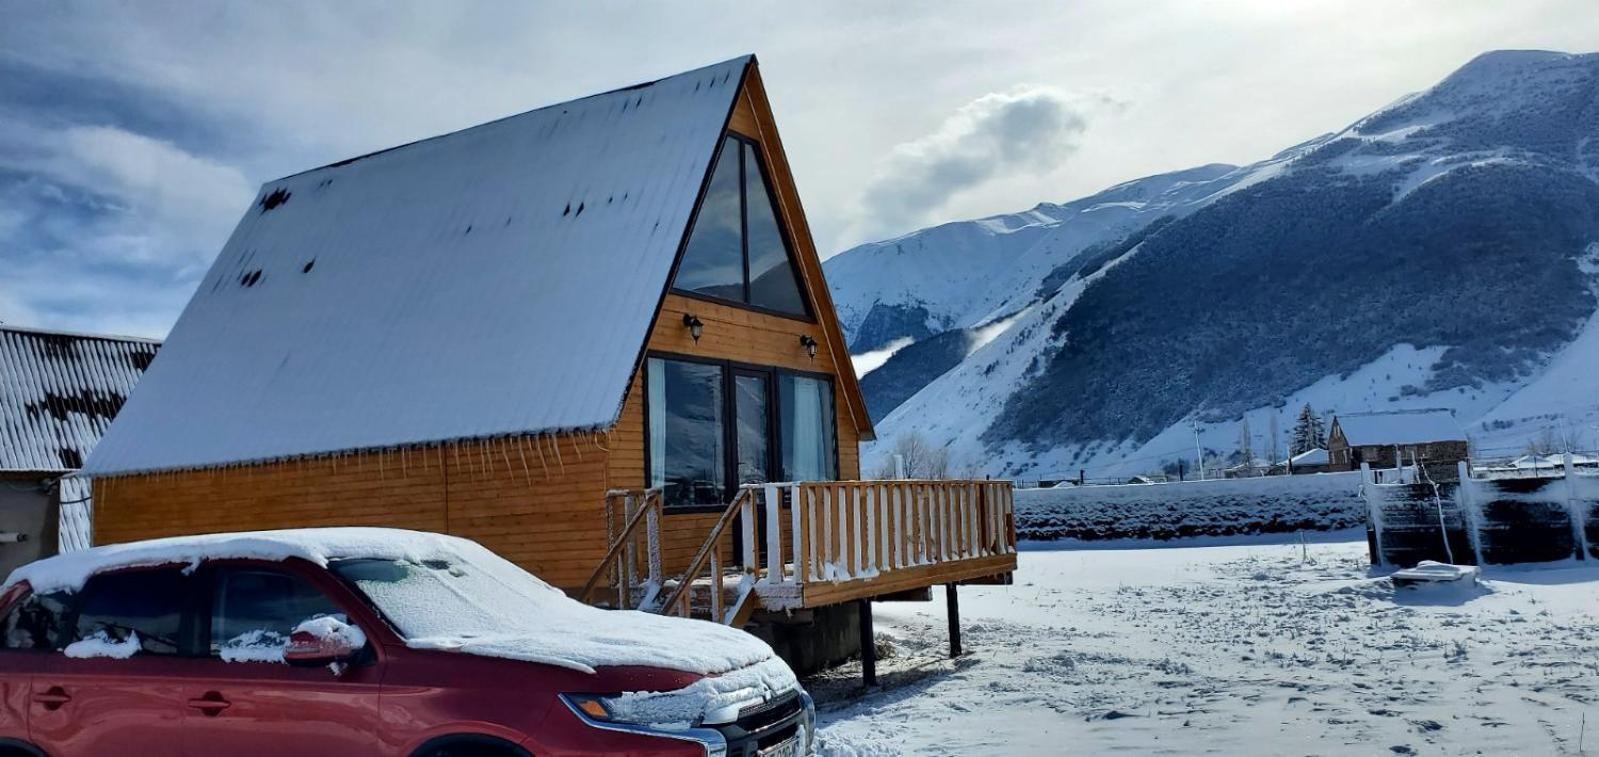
(868, 644)
(952, 599)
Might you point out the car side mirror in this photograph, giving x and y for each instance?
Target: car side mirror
(323, 641)
(312, 651)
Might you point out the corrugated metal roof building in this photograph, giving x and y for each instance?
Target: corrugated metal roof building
(59, 392)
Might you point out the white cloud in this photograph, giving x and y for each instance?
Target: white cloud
(179, 206)
(14, 311)
(1028, 129)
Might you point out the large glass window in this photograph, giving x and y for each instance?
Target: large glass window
(713, 262)
(688, 453)
(713, 427)
(737, 250)
(807, 421)
(254, 611)
(138, 611)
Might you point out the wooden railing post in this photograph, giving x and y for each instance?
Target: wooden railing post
(624, 587)
(796, 512)
(774, 534)
(747, 514)
(652, 535)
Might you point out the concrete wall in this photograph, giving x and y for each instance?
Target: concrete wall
(27, 506)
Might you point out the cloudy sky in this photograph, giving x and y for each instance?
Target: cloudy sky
(133, 135)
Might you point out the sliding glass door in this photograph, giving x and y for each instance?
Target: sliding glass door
(713, 425)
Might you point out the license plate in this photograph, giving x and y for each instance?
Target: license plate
(789, 748)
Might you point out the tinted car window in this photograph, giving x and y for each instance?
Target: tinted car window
(253, 612)
(36, 622)
(147, 604)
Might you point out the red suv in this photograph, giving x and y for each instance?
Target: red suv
(356, 641)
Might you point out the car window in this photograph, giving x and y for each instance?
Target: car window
(36, 622)
(134, 612)
(253, 611)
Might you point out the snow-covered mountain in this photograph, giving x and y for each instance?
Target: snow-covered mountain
(1443, 251)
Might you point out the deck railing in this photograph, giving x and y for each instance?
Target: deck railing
(847, 530)
(639, 539)
(707, 562)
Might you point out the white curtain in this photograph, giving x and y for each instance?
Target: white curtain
(808, 430)
(655, 372)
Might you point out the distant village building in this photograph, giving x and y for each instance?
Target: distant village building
(58, 393)
(1310, 461)
(1431, 438)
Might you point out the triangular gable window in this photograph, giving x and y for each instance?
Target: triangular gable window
(737, 250)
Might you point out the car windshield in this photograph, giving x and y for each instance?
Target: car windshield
(433, 599)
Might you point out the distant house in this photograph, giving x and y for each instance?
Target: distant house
(58, 393)
(1429, 437)
(1310, 461)
(576, 335)
(1252, 468)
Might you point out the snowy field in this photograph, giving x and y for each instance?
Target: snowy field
(1260, 648)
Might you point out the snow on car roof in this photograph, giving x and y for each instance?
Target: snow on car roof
(495, 281)
(69, 571)
(507, 612)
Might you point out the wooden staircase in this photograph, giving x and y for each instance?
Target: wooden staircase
(631, 569)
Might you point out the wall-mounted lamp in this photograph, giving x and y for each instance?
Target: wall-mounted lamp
(809, 344)
(695, 326)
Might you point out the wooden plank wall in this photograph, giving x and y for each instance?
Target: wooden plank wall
(548, 517)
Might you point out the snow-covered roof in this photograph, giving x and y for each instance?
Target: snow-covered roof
(1316, 456)
(494, 281)
(59, 391)
(1400, 427)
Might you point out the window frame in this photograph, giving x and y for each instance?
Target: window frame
(730, 370)
(789, 246)
(189, 642)
(335, 589)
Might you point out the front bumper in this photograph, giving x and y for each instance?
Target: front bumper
(757, 730)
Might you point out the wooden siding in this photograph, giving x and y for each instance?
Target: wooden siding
(548, 517)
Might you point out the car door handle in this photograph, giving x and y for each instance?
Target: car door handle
(53, 698)
(210, 704)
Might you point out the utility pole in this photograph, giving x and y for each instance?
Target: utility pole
(1199, 452)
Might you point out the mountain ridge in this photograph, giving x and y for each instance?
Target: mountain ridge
(1464, 212)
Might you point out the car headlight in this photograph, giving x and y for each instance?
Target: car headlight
(595, 706)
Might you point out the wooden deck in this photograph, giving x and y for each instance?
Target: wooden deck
(813, 544)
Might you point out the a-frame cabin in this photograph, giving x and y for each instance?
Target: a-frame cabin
(594, 337)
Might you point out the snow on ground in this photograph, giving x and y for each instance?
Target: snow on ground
(1254, 648)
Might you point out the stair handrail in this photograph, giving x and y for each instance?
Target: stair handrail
(677, 601)
(649, 511)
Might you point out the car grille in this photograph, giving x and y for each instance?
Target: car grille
(763, 726)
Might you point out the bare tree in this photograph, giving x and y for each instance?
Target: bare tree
(922, 460)
(1275, 441)
(1246, 447)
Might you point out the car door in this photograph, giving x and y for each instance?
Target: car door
(113, 688)
(28, 635)
(248, 701)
